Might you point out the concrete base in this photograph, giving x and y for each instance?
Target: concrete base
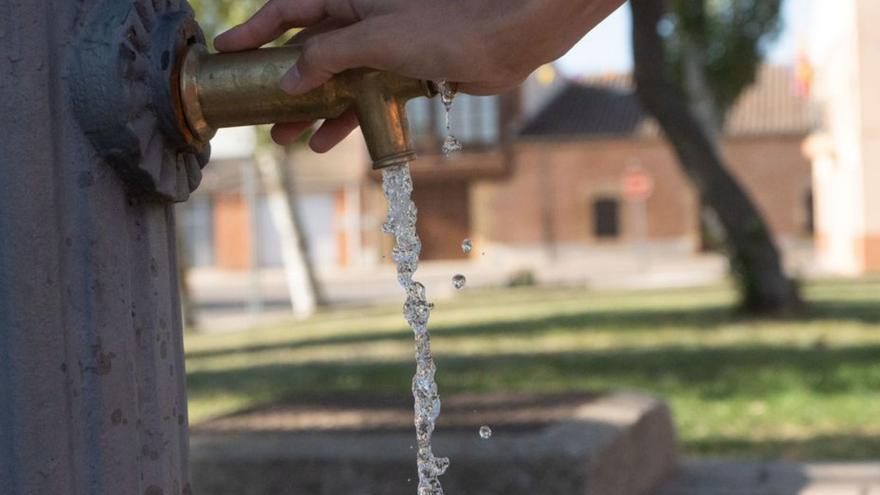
(619, 444)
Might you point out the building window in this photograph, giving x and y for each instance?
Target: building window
(474, 120)
(606, 218)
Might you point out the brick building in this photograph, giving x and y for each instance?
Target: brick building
(541, 175)
(555, 187)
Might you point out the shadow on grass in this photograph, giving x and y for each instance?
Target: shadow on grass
(749, 372)
(706, 318)
(740, 373)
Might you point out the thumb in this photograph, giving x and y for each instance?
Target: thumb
(327, 54)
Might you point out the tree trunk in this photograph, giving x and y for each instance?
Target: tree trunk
(700, 97)
(754, 258)
(703, 104)
(302, 283)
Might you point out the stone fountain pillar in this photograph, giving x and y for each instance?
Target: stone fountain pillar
(92, 396)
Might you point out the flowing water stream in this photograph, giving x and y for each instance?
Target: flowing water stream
(401, 223)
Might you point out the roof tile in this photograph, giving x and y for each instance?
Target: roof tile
(606, 106)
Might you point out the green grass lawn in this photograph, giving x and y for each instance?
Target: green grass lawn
(801, 388)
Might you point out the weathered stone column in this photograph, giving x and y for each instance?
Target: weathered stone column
(92, 396)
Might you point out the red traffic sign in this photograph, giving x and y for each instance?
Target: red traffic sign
(637, 184)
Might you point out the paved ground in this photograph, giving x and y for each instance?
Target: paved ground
(223, 298)
(706, 477)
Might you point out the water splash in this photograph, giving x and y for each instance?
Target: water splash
(401, 223)
(458, 281)
(447, 94)
(466, 246)
(450, 145)
(485, 432)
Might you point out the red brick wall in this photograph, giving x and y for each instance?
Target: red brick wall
(549, 192)
(567, 177)
(777, 176)
(564, 178)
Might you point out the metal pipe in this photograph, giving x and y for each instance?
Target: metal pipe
(243, 88)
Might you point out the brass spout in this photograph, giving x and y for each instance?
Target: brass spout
(235, 89)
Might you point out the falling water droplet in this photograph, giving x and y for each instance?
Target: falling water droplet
(450, 145)
(466, 246)
(458, 281)
(447, 94)
(485, 432)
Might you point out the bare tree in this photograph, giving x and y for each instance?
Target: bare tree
(302, 284)
(691, 122)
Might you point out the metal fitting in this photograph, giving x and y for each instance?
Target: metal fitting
(243, 88)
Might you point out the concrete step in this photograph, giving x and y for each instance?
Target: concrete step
(616, 444)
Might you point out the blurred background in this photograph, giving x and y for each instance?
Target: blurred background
(736, 283)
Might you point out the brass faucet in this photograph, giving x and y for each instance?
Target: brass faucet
(235, 89)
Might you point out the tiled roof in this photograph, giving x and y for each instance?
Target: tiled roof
(607, 107)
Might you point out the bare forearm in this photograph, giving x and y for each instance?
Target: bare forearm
(486, 46)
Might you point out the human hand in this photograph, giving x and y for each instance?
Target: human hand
(485, 46)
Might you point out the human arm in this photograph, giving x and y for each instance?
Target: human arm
(485, 46)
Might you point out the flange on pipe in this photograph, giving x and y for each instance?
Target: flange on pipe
(144, 87)
(124, 83)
